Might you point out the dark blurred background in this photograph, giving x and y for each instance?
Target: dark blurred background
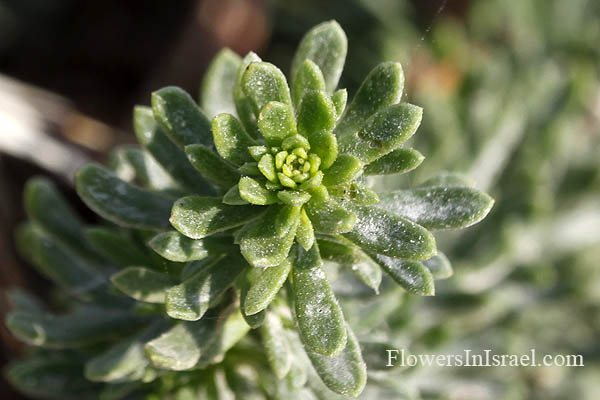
(71, 71)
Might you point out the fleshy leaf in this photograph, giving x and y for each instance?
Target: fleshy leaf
(231, 139)
(319, 316)
(197, 217)
(379, 231)
(81, 328)
(339, 99)
(143, 284)
(193, 297)
(180, 117)
(121, 202)
(345, 253)
(247, 280)
(255, 192)
(217, 86)
(326, 45)
(133, 164)
(265, 286)
(398, 161)
(260, 244)
(316, 118)
(233, 197)
(52, 377)
(47, 207)
(439, 265)
(345, 373)
(211, 166)
(381, 88)
(439, 207)
(263, 83)
(308, 77)
(243, 104)
(287, 218)
(383, 132)
(174, 246)
(165, 152)
(327, 216)
(57, 263)
(228, 334)
(181, 347)
(293, 197)
(116, 247)
(413, 276)
(276, 345)
(124, 361)
(344, 169)
(448, 179)
(276, 122)
(305, 235)
(352, 191)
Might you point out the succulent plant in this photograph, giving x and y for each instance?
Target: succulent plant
(225, 226)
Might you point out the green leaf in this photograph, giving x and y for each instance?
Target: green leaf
(53, 377)
(174, 246)
(178, 114)
(125, 360)
(260, 244)
(350, 256)
(58, 264)
(319, 316)
(293, 197)
(228, 334)
(143, 284)
(263, 83)
(181, 347)
(116, 247)
(83, 327)
(21, 300)
(327, 216)
(255, 192)
(276, 122)
(287, 218)
(211, 166)
(305, 235)
(309, 77)
(276, 345)
(339, 99)
(233, 197)
(133, 164)
(165, 152)
(231, 139)
(379, 231)
(197, 217)
(243, 104)
(398, 161)
(247, 280)
(413, 276)
(193, 297)
(448, 179)
(439, 207)
(265, 286)
(352, 191)
(316, 118)
(383, 132)
(121, 202)
(217, 86)
(344, 169)
(326, 45)
(440, 266)
(381, 88)
(48, 208)
(345, 373)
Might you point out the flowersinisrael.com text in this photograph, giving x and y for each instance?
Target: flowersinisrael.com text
(487, 358)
